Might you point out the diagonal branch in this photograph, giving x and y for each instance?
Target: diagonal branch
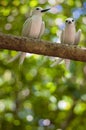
(41, 47)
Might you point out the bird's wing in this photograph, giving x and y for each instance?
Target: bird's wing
(27, 27)
(42, 29)
(25, 33)
(62, 37)
(77, 37)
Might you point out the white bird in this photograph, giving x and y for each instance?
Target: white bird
(69, 36)
(33, 27)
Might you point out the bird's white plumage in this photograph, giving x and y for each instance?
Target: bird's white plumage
(33, 27)
(42, 29)
(77, 37)
(26, 27)
(69, 36)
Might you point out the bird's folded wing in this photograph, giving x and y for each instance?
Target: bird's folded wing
(42, 29)
(62, 37)
(77, 37)
(27, 27)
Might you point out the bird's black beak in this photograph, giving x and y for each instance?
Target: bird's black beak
(45, 10)
(69, 22)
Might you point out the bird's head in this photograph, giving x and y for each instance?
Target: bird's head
(69, 21)
(39, 11)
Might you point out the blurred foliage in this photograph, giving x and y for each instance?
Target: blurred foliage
(37, 96)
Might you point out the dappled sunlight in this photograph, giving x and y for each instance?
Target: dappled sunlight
(29, 118)
(63, 105)
(44, 122)
(2, 106)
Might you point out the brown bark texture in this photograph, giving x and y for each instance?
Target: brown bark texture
(41, 47)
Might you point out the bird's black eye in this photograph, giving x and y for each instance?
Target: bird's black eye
(37, 8)
(66, 21)
(72, 20)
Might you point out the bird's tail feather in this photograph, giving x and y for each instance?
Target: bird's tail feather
(67, 63)
(57, 62)
(15, 57)
(20, 55)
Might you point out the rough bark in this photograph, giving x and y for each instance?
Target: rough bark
(41, 47)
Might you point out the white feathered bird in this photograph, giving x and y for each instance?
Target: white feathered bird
(69, 36)
(33, 27)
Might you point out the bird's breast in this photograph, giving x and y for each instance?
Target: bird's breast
(69, 36)
(35, 26)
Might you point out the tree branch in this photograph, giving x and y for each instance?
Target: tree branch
(42, 47)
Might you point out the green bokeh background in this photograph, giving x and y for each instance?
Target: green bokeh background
(38, 96)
